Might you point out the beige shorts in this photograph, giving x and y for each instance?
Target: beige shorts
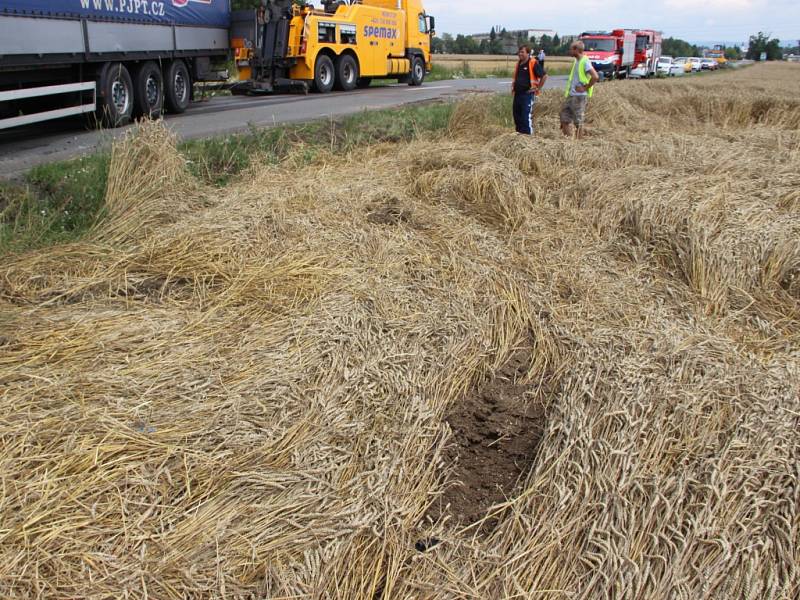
(574, 110)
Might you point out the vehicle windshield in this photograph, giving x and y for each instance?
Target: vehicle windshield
(599, 45)
(664, 61)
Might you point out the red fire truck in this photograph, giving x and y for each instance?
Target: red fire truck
(648, 51)
(612, 52)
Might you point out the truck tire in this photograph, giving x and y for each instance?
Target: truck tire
(346, 73)
(363, 82)
(148, 85)
(177, 87)
(115, 95)
(324, 74)
(417, 71)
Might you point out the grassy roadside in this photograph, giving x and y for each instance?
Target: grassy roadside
(59, 202)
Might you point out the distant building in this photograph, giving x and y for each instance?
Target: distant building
(519, 33)
(538, 33)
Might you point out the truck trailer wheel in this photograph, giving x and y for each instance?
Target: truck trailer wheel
(324, 74)
(148, 98)
(417, 71)
(346, 73)
(177, 87)
(114, 95)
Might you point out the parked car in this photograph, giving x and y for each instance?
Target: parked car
(664, 65)
(709, 64)
(677, 69)
(697, 63)
(668, 66)
(684, 62)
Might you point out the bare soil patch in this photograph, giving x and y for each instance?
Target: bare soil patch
(497, 428)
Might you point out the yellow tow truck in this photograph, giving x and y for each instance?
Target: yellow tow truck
(344, 45)
(717, 54)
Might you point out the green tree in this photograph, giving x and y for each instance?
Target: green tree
(774, 51)
(448, 43)
(494, 46)
(733, 53)
(547, 43)
(437, 45)
(760, 43)
(465, 45)
(677, 47)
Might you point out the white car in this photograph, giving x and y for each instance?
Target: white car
(664, 65)
(697, 63)
(709, 64)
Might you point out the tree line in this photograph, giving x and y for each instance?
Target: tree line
(499, 42)
(760, 43)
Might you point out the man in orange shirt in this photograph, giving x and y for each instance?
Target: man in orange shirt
(529, 78)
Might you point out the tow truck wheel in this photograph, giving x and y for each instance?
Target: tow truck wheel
(177, 87)
(417, 71)
(148, 97)
(346, 73)
(115, 95)
(324, 74)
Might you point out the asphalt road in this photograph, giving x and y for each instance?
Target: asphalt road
(25, 147)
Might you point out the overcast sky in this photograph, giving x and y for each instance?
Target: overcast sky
(694, 20)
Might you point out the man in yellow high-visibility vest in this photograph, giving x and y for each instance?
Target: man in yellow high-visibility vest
(579, 89)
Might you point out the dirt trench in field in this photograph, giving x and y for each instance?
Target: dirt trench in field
(497, 427)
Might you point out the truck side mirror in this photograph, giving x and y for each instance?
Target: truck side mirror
(431, 24)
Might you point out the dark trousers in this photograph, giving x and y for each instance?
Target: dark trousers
(523, 105)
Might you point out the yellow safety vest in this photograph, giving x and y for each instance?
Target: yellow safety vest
(582, 76)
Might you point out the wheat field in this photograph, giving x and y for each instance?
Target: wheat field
(250, 392)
